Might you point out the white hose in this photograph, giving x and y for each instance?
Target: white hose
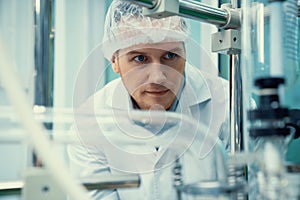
(35, 131)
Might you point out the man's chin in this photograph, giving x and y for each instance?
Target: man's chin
(156, 106)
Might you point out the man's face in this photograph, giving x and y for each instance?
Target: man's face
(152, 73)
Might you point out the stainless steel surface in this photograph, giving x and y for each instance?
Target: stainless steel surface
(236, 105)
(213, 188)
(43, 53)
(111, 182)
(201, 12)
(187, 8)
(163, 9)
(226, 42)
(233, 17)
(93, 183)
(145, 3)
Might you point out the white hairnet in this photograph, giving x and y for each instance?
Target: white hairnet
(126, 26)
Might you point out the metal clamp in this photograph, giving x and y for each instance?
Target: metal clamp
(163, 9)
(226, 41)
(233, 17)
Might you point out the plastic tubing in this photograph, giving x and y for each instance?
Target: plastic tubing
(34, 130)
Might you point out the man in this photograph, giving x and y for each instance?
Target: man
(150, 56)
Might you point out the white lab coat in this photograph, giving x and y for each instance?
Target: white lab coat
(204, 98)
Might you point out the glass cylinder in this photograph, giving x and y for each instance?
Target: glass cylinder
(270, 45)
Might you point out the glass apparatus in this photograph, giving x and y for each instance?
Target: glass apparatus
(270, 66)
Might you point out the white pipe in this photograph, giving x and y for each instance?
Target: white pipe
(260, 21)
(35, 131)
(276, 39)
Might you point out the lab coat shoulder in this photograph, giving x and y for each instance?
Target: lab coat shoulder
(112, 95)
(207, 84)
(212, 101)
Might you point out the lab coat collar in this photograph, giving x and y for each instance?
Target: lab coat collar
(196, 89)
(119, 98)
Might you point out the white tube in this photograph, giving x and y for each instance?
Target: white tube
(260, 21)
(276, 39)
(35, 131)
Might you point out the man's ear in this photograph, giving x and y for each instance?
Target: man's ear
(115, 64)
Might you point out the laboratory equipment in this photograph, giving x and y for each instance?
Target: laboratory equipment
(271, 51)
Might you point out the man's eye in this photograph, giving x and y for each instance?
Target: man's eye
(140, 58)
(170, 55)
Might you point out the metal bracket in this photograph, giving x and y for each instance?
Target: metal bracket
(163, 9)
(233, 17)
(226, 42)
(39, 185)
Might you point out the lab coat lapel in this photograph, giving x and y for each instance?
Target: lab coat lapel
(209, 107)
(194, 93)
(119, 98)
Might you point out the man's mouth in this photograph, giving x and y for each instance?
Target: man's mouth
(157, 92)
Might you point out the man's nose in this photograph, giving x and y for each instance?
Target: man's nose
(157, 73)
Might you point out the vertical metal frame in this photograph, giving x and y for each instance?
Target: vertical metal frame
(43, 53)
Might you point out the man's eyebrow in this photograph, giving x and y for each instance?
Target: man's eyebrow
(176, 49)
(135, 52)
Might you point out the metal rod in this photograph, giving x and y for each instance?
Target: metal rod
(201, 12)
(94, 183)
(236, 174)
(236, 112)
(43, 52)
(43, 58)
(236, 102)
(192, 9)
(111, 182)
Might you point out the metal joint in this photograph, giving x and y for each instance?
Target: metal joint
(163, 9)
(233, 17)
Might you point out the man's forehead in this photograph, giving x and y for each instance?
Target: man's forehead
(165, 46)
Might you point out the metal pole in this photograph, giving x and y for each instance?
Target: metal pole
(43, 58)
(236, 174)
(236, 102)
(236, 111)
(43, 52)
